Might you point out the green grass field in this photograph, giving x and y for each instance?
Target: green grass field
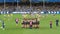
(44, 25)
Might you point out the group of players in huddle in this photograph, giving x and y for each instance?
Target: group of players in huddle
(30, 23)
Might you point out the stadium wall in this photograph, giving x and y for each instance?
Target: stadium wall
(7, 12)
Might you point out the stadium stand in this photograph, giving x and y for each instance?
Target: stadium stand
(36, 7)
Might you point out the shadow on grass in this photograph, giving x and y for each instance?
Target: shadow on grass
(40, 28)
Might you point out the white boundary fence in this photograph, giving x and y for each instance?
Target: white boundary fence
(7, 12)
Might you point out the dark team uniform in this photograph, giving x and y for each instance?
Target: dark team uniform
(50, 24)
(3, 25)
(57, 22)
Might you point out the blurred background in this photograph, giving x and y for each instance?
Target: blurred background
(40, 6)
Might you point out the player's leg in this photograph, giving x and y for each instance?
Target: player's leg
(3, 27)
(30, 25)
(33, 25)
(56, 23)
(25, 24)
(37, 25)
(16, 24)
(50, 25)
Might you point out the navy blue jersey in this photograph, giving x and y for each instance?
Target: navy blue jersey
(3, 25)
(57, 20)
(2, 22)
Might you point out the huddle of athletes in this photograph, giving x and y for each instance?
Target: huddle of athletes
(30, 23)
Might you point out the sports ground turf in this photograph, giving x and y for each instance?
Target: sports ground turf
(10, 25)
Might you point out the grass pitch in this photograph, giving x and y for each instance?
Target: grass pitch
(10, 25)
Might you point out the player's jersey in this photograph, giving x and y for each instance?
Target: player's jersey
(57, 20)
(30, 22)
(3, 25)
(17, 20)
(50, 22)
